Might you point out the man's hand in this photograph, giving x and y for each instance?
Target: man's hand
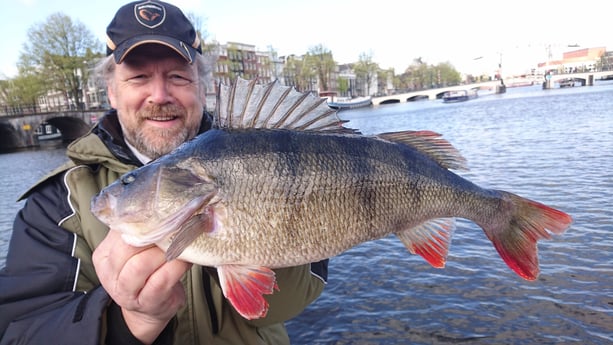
(142, 283)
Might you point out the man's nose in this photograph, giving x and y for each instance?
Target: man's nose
(159, 93)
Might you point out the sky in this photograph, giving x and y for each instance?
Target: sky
(473, 35)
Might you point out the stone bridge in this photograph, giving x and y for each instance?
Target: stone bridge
(19, 131)
(430, 93)
(586, 78)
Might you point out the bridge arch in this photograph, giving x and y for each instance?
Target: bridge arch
(19, 131)
(9, 137)
(390, 101)
(71, 128)
(417, 98)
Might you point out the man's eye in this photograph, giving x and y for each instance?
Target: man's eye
(179, 79)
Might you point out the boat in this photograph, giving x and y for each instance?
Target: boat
(459, 96)
(568, 82)
(352, 103)
(47, 131)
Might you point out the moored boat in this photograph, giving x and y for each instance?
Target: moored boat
(47, 131)
(351, 103)
(568, 82)
(459, 95)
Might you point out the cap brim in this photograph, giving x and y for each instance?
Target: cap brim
(187, 52)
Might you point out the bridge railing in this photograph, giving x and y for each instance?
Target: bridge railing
(21, 109)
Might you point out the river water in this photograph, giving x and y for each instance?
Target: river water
(554, 146)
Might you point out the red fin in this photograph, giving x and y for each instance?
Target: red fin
(430, 240)
(244, 286)
(431, 144)
(515, 238)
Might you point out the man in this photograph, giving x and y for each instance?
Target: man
(68, 279)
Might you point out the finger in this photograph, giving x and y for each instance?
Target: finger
(139, 278)
(164, 279)
(136, 272)
(164, 292)
(106, 260)
(119, 249)
(114, 251)
(110, 258)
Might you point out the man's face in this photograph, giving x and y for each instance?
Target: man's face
(158, 99)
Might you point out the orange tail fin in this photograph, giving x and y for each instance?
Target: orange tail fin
(515, 237)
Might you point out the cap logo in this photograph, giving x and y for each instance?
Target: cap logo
(149, 14)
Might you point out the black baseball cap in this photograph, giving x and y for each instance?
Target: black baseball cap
(151, 21)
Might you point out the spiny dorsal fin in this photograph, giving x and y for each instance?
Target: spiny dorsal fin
(431, 144)
(245, 104)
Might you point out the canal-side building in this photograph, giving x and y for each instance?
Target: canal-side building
(580, 60)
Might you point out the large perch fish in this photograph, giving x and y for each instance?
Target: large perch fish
(300, 188)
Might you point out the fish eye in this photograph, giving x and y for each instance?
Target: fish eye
(128, 178)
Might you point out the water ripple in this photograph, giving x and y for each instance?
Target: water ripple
(550, 148)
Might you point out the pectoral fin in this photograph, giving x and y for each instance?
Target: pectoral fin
(244, 287)
(189, 231)
(430, 240)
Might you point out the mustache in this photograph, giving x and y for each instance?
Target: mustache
(164, 110)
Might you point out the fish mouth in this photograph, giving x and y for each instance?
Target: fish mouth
(102, 206)
(138, 230)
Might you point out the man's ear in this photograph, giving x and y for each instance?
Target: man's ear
(111, 96)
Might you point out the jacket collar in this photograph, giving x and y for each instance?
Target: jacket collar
(109, 131)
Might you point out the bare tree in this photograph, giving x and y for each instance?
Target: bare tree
(60, 50)
(417, 75)
(298, 74)
(320, 60)
(366, 70)
(198, 23)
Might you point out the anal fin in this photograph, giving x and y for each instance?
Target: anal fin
(431, 240)
(244, 286)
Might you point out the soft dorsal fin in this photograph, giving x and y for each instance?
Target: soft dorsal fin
(431, 144)
(246, 104)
